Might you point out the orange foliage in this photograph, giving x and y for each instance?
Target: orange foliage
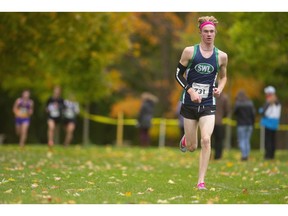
(146, 24)
(130, 107)
(174, 99)
(252, 86)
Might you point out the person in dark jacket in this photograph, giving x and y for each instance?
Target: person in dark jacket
(145, 117)
(245, 115)
(222, 111)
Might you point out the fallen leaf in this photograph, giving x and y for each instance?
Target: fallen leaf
(8, 191)
(91, 183)
(11, 180)
(150, 190)
(76, 194)
(162, 201)
(229, 164)
(48, 197)
(245, 191)
(212, 189)
(34, 185)
(49, 154)
(121, 194)
(128, 194)
(4, 181)
(176, 197)
(225, 173)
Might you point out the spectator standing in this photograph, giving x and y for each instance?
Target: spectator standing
(271, 113)
(244, 112)
(145, 117)
(222, 111)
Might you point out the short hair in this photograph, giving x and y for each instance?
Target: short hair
(207, 19)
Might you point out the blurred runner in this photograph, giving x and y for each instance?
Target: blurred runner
(54, 108)
(23, 109)
(70, 111)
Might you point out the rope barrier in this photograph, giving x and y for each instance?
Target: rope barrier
(158, 121)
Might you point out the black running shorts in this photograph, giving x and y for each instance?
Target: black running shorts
(196, 112)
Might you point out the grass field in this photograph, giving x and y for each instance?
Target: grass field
(110, 175)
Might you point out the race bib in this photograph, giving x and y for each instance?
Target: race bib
(69, 114)
(24, 111)
(54, 111)
(201, 89)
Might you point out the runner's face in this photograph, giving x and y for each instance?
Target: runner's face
(208, 33)
(26, 94)
(57, 92)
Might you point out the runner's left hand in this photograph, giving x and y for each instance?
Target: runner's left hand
(216, 92)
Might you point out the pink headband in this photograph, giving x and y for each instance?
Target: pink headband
(206, 23)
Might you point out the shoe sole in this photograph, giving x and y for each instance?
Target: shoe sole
(182, 149)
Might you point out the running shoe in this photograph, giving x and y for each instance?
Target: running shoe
(201, 186)
(182, 144)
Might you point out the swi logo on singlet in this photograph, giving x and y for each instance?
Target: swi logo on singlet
(204, 68)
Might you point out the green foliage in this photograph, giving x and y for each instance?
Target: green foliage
(133, 175)
(107, 56)
(258, 40)
(40, 50)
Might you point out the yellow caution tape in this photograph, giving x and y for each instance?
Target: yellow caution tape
(158, 121)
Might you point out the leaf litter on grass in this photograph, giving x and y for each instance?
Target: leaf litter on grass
(78, 175)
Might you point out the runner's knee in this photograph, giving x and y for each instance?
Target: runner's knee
(205, 142)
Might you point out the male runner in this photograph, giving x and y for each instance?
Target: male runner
(202, 64)
(54, 107)
(70, 111)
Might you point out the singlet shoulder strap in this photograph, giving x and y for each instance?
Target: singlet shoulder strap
(196, 47)
(217, 58)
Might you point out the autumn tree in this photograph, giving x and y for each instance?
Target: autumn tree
(40, 50)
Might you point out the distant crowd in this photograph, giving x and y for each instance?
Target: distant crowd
(65, 111)
(58, 111)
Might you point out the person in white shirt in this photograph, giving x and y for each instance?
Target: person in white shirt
(271, 113)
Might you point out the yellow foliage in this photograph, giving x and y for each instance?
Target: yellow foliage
(174, 99)
(114, 77)
(130, 107)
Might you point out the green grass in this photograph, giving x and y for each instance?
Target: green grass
(110, 175)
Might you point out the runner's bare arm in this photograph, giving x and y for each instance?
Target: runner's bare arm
(185, 58)
(223, 57)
